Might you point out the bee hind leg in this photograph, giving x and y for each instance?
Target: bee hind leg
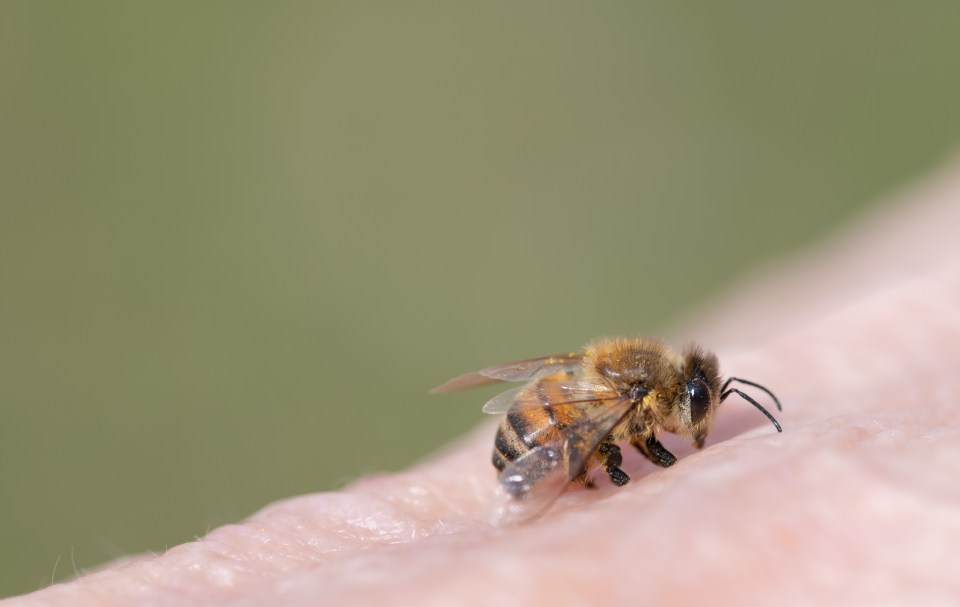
(612, 458)
(654, 451)
(585, 480)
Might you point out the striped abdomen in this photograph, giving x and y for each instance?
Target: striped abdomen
(524, 428)
(521, 431)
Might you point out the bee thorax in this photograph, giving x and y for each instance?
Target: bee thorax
(637, 392)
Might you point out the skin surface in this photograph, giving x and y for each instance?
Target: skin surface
(857, 502)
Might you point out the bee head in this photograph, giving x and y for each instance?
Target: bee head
(700, 393)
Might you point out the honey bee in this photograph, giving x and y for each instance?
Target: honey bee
(575, 408)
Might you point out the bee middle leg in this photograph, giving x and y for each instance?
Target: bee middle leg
(612, 458)
(654, 451)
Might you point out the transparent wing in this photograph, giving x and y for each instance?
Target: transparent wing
(532, 482)
(521, 370)
(549, 393)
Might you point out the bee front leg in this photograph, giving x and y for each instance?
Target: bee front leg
(612, 458)
(654, 451)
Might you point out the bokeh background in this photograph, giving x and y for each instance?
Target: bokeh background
(239, 241)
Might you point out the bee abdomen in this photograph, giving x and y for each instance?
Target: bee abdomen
(507, 447)
(521, 431)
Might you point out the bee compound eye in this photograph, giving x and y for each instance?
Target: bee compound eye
(699, 399)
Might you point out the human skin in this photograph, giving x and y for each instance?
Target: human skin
(856, 502)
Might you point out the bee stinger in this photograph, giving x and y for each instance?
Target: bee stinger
(574, 409)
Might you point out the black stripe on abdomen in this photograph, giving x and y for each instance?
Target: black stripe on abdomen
(506, 447)
(521, 427)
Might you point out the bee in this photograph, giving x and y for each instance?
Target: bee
(574, 409)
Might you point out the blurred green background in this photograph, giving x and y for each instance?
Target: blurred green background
(239, 241)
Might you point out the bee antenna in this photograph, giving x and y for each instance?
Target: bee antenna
(724, 390)
(750, 400)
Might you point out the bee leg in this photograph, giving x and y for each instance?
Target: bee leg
(612, 458)
(585, 480)
(654, 451)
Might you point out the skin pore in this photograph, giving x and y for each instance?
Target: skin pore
(855, 502)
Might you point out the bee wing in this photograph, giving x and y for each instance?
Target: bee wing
(533, 481)
(521, 370)
(548, 393)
